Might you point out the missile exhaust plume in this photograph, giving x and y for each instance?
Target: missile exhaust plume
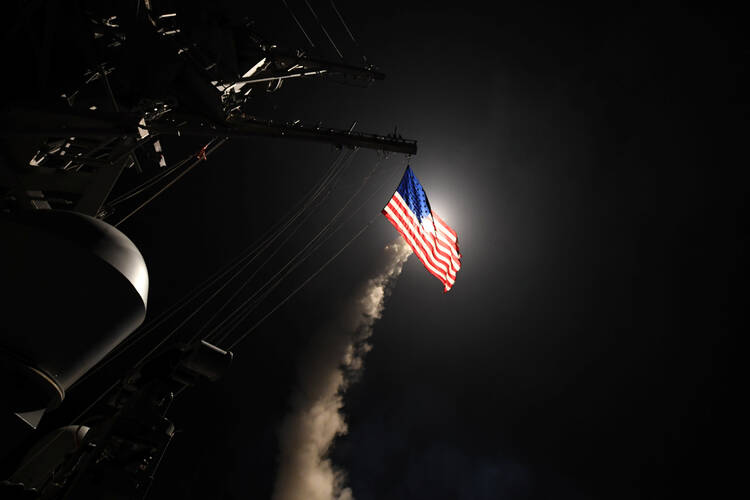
(330, 364)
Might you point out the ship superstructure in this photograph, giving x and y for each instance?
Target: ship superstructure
(96, 89)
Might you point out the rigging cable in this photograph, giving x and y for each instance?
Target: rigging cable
(331, 177)
(241, 316)
(327, 179)
(259, 322)
(346, 27)
(300, 287)
(270, 281)
(148, 183)
(298, 23)
(166, 314)
(323, 28)
(309, 278)
(170, 183)
(251, 252)
(247, 280)
(244, 314)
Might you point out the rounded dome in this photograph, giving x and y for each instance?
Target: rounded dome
(74, 287)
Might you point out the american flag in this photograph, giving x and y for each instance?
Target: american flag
(434, 242)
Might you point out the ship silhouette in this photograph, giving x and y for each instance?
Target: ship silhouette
(94, 92)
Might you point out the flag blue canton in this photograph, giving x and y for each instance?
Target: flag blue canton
(413, 194)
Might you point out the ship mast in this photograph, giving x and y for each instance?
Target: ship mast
(78, 126)
(111, 124)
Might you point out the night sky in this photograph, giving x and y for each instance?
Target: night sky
(586, 158)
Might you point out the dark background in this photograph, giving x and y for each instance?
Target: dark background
(588, 159)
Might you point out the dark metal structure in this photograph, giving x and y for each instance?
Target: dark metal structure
(142, 77)
(97, 282)
(92, 97)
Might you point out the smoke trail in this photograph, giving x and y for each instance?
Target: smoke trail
(329, 365)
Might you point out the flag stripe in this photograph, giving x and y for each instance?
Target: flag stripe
(419, 247)
(453, 264)
(444, 227)
(445, 257)
(455, 259)
(414, 241)
(417, 250)
(431, 238)
(428, 241)
(424, 240)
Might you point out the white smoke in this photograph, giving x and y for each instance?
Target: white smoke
(334, 358)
